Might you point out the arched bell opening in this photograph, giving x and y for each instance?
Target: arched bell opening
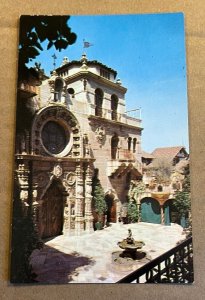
(98, 102)
(114, 106)
(58, 89)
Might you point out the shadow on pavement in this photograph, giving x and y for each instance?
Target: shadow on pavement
(53, 266)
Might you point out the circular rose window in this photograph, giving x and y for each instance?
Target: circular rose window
(54, 137)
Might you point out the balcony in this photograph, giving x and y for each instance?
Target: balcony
(113, 116)
(125, 159)
(174, 266)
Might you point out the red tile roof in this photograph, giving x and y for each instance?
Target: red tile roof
(167, 152)
(147, 155)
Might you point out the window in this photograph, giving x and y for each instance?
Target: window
(58, 89)
(134, 145)
(129, 143)
(114, 146)
(54, 137)
(98, 102)
(71, 92)
(104, 74)
(114, 105)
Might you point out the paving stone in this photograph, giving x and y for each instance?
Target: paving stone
(88, 258)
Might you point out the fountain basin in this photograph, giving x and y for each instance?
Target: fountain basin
(132, 246)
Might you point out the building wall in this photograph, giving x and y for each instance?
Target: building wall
(91, 143)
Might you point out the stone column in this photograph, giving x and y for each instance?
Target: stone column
(162, 213)
(79, 204)
(118, 210)
(63, 98)
(35, 207)
(139, 208)
(67, 217)
(22, 177)
(88, 200)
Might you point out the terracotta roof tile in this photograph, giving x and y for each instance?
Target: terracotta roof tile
(167, 152)
(147, 155)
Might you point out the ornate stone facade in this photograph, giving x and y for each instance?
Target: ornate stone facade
(78, 125)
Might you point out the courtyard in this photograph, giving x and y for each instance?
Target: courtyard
(88, 258)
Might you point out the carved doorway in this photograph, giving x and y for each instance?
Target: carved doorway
(111, 208)
(51, 213)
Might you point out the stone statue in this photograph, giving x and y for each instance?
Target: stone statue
(130, 239)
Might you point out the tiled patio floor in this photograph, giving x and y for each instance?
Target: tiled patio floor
(88, 258)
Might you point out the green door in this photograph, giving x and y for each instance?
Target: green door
(167, 212)
(150, 211)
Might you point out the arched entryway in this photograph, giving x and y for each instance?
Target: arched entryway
(51, 211)
(111, 208)
(150, 211)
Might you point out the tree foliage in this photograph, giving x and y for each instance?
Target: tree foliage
(24, 240)
(34, 30)
(182, 202)
(98, 194)
(132, 212)
(162, 169)
(136, 188)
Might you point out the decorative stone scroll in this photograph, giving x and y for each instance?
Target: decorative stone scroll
(22, 175)
(100, 135)
(71, 178)
(57, 171)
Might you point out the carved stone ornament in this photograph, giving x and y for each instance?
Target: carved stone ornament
(57, 171)
(24, 195)
(100, 134)
(71, 178)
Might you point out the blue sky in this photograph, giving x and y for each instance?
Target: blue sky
(148, 52)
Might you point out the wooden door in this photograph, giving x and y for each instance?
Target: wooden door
(113, 212)
(51, 221)
(111, 209)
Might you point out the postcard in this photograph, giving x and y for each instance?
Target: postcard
(102, 176)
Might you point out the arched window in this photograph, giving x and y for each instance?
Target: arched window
(58, 89)
(114, 146)
(98, 102)
(114, 105)
(160, 188)
(71, 92)
(129, 143)
(134, 145)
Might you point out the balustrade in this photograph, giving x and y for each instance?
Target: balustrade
(174, 266)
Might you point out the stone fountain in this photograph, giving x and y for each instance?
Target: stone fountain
(130, 246)
(130, 256)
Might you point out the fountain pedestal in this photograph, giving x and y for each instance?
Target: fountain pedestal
(130, 249)
(128, 259)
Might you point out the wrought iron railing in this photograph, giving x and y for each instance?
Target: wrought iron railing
(174, 266)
